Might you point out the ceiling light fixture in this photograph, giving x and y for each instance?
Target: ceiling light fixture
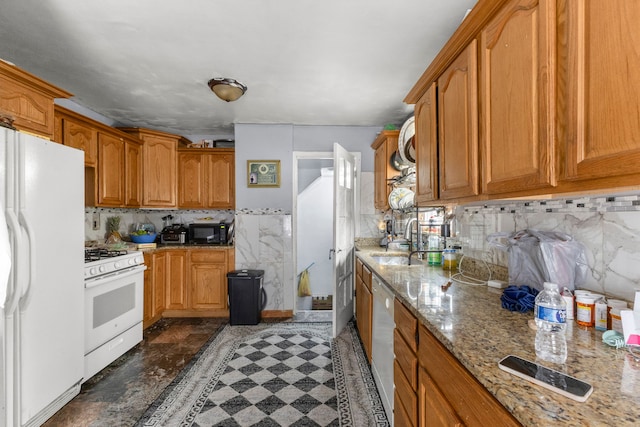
(227, 89)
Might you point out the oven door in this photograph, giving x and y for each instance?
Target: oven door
(113, 304)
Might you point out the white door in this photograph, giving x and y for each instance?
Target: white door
(344, 196)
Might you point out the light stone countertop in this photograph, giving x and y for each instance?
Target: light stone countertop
(470, 322)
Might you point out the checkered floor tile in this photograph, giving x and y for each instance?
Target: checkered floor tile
(275, 380)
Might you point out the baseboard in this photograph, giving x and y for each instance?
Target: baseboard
(272, 314)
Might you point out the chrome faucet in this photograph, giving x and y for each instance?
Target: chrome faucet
(407, 229)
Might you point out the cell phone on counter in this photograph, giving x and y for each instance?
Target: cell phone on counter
(551, 379)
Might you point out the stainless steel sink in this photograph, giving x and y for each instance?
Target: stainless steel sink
(391, 259)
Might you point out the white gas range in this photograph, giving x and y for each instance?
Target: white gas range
(114, 283)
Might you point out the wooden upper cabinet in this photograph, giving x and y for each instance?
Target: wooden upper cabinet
(74, 130)
(110, 170)
(83, 137)
(220, 179)
(159, 166)
(385, 145)
(28, 100)
(206, 178)
(517, 98)
(458, 126)
(426, 138)
(599, 96)
(133, 173)
(191, 191)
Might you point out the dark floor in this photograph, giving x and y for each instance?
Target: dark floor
(119, 394)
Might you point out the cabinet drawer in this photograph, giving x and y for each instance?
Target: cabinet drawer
(406, 324)
(214, 256)
(406, 359)
(405, 393)
(471, 401)
(400, 416)
(366, 277)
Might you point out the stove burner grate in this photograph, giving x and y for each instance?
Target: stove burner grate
(96, 254)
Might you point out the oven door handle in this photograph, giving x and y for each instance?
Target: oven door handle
(120, 274)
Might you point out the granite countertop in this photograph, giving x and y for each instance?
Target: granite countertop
(470, 322)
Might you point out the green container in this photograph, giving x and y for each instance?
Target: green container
(434, 258)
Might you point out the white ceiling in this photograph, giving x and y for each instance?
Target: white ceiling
(307, 62)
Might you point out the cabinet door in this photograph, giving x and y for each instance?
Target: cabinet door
(110, 171)
(458, 126)
(133, 174)
(517, 97)
(433, 408)
(159, 172)
(364, 302)
(154, 281)
(176, 285)
(602, 94)
(385, 145)
(220, 181)
(209, 280)
(426, 138)
(381, 200)
(191, 174)
(83, 137)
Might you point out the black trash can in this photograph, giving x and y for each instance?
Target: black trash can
(247, 297)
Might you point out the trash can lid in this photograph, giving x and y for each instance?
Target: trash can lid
(246, 273)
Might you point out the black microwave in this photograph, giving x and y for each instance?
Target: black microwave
(210, 233)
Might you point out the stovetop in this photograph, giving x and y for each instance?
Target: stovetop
(101, 261)
(96, 254)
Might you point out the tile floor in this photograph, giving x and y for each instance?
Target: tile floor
(119, 394)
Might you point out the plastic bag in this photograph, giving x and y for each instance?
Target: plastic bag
(537, 256)
(304, 289)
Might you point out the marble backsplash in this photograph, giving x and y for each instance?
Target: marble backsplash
(608, 227)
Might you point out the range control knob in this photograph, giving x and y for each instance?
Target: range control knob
(92, 271)
(116, 265)
(102, 269)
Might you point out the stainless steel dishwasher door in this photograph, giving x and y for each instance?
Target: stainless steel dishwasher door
(382, 343)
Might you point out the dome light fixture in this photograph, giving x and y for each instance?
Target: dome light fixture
(227, 89)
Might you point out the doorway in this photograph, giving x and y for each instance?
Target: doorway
(313, 234)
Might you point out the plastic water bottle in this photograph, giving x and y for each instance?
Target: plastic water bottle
(551, 316)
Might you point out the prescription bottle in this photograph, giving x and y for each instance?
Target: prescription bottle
(586, 309)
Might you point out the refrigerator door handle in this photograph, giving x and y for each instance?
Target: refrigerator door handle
(13, 293)
(26, 291)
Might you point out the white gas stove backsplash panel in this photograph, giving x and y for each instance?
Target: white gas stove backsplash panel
(608, 226)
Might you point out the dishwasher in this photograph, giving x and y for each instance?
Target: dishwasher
(382, 343)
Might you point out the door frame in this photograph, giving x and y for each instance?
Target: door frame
(314, 155)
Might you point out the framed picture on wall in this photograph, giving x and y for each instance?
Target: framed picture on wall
(263, 173)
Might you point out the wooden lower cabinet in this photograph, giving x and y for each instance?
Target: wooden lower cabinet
(405, 366)
(434, 408)
(208, 280)
(448, 395)
(155, 278)
(176, 287)
(184, 282)
(364, 306)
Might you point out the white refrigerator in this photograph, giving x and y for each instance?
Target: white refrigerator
(41, 277)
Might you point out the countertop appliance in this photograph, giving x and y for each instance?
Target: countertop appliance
(113, 305)
(175, 234)
(41, 290)
(382, 354)
(210, 233)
